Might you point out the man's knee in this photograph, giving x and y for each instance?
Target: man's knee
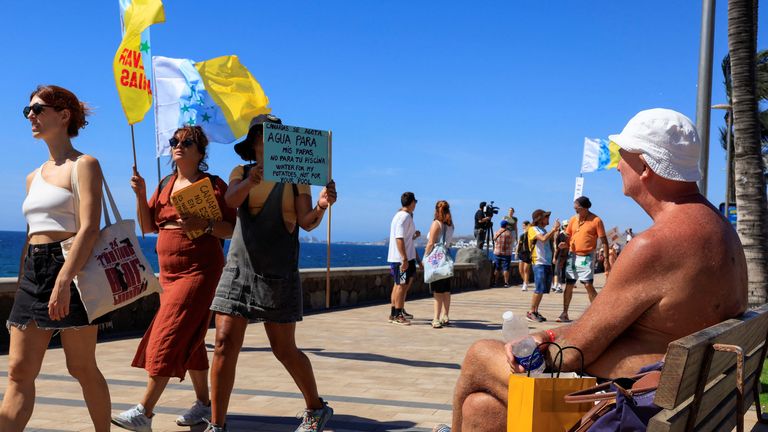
(483, 412)
(482, 351)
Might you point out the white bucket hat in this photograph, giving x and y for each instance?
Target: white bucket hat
(667, 140)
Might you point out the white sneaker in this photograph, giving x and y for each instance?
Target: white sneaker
(199, 413)
(524, 288)
(133, 420)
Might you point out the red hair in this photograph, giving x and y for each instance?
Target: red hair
(63, 99)
(443, 212)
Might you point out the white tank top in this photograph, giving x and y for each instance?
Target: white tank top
(48, 207)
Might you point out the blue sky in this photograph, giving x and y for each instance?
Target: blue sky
(469, 103)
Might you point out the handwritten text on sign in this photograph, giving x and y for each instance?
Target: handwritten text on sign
(197, 199)
(295, 154)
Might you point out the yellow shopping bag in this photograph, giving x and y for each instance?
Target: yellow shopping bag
(536, 404)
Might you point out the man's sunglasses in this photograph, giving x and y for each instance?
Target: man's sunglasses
(36, 108)
(175, 142)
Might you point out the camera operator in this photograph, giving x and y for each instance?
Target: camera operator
(482, 224)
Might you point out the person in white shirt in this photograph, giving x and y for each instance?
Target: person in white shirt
(402, 257)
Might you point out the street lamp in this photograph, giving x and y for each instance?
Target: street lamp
(728, 121)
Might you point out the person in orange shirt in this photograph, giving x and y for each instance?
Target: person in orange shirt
(583, 231)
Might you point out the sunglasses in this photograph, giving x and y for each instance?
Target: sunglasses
(36, 108)
(175, 142)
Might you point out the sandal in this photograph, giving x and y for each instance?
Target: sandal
(436, 324)
(563, 319)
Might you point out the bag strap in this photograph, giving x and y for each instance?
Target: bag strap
(643, 383)
(115, 211)
(597, 411)
(76, 194)
(75, 191)
(442, 229)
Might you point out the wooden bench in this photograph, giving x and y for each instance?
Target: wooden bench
(712, 377)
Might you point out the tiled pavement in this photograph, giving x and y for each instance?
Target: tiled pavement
(377, 376)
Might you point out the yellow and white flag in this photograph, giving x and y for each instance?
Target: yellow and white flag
(131, 77)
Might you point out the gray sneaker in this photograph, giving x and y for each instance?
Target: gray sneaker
(213, 428)
(199, 413)
(441, 428)
(315, 420)
(134, 420)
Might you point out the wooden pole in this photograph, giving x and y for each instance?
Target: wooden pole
(136, 170)
(328, 234)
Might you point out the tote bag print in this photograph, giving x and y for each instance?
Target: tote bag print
(123, 269)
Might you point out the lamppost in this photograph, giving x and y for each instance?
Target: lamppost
(728, 121)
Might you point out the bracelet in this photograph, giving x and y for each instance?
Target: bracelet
(322, 208)
(209, 228)
(551, 335)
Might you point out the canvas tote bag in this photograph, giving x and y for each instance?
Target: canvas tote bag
(117, 273)
(438, 264)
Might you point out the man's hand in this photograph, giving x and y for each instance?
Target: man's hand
(514, 366)
(562, 245)
(404, 266)
(556, 227)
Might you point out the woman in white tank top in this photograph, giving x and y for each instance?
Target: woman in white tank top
(46, 300)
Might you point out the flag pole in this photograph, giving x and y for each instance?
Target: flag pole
(154, 112)
(135, 171)
(328, 233)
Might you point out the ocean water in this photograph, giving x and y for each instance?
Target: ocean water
(312, 255)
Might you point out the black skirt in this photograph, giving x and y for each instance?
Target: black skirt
(42, 265)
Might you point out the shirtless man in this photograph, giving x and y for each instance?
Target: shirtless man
(668, 282)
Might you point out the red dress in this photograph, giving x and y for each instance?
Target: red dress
(189, 272)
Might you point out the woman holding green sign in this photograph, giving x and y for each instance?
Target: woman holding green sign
(261, 278)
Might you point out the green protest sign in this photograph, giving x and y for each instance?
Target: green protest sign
(295, 154)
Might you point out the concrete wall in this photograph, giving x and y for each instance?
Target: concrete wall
(350, 286)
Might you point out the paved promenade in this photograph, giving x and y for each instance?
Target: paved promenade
(377, 376)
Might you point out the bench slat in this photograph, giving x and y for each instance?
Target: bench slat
(717, 404)
(685, 356)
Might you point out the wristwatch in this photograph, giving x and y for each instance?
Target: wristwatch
(209, 228)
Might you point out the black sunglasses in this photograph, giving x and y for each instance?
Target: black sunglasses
(36, 108)
(175, 142)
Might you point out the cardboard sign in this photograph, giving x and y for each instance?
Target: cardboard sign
(295, 154)
(199, 200)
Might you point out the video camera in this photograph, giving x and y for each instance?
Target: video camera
(489, 210)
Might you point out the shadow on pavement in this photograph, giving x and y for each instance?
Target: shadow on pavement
(237, 423)
(210, 347)
(387, 359)
(474, 325)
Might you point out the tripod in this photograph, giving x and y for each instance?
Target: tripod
(490, 242)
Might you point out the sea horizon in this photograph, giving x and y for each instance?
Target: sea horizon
(312, 252)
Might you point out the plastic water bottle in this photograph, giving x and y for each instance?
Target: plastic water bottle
(515, 329)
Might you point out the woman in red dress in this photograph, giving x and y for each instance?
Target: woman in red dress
(189, 272)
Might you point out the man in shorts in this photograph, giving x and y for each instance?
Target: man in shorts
(402, 257)
(502, 249)
(584, 229)
(636, 316)
(540, 243)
